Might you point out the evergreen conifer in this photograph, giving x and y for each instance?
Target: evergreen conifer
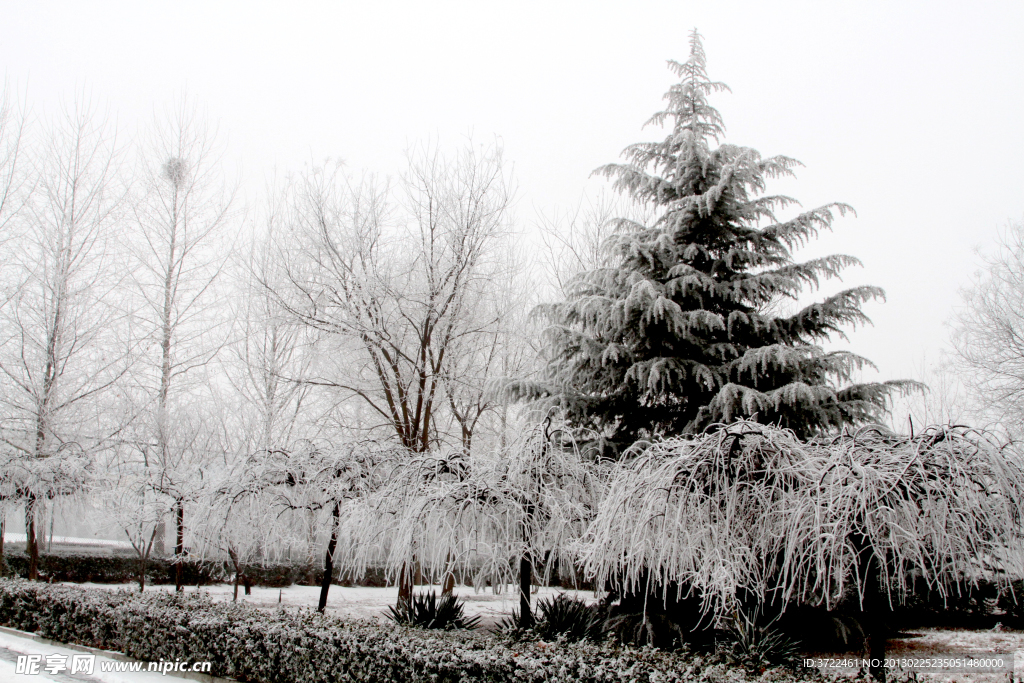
(683, 330)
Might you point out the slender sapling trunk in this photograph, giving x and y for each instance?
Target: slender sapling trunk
(526, 573)
(234, 563)
(31, 548)
(179, 545)
(332, 545)
(3, 528)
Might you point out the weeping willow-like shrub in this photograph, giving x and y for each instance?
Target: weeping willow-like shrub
(749, 513)
(477, 516)
(66, 473)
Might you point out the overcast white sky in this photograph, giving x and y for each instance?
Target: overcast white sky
(909, 111)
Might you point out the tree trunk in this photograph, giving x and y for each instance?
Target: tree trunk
(526, 572)
(144, 559)
(525, 582)
(161, 532)
(31, 548)
(53, 514)
(3, 528)
(405, 584)
(874, 610)
(875, 626)
(448, 587)
(234, 562)
(332, 545)
(179, 546)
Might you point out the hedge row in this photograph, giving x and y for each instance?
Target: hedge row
(82, 567)
(306, 647)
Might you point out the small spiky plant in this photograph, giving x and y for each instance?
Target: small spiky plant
(562, 616)
(758, 639)
(569, 618)
(426, 611)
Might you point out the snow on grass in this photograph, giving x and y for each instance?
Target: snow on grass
(71, 540)
(366, 603)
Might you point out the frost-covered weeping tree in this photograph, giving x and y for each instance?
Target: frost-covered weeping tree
(682, 331)
(134, 507)
(40, 480)
(748, 516)
(318, 482)
(236, 516)
(495, 516)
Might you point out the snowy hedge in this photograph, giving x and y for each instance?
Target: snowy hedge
(78, 567)
(81, 567)
(283, 647)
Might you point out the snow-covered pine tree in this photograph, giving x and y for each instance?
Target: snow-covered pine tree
(682, 330)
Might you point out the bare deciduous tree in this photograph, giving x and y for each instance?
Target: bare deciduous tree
(394, 300)
(181, 214)
(498, 349)
(12, 178)
(272, 353)
(61, 351)
(572, 240)
(989, 332)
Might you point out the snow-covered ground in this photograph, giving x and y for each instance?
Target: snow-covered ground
(365, 603)
(71, 540)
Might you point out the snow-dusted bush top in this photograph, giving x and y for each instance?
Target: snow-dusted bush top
(285, 647)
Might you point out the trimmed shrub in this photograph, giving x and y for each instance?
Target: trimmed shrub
(304, 646)
(78, 567)
(81, 567)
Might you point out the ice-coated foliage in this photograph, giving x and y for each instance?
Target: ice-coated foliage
(45, 478)
(249, 644)
(682, 330)
(478, 515)
(749, 512)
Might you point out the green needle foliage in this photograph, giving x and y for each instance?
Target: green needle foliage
(683, 330)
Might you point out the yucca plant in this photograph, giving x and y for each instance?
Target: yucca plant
(426, 611)
(511, 626)
(568, 617)
(562, 616)
(757, 639)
